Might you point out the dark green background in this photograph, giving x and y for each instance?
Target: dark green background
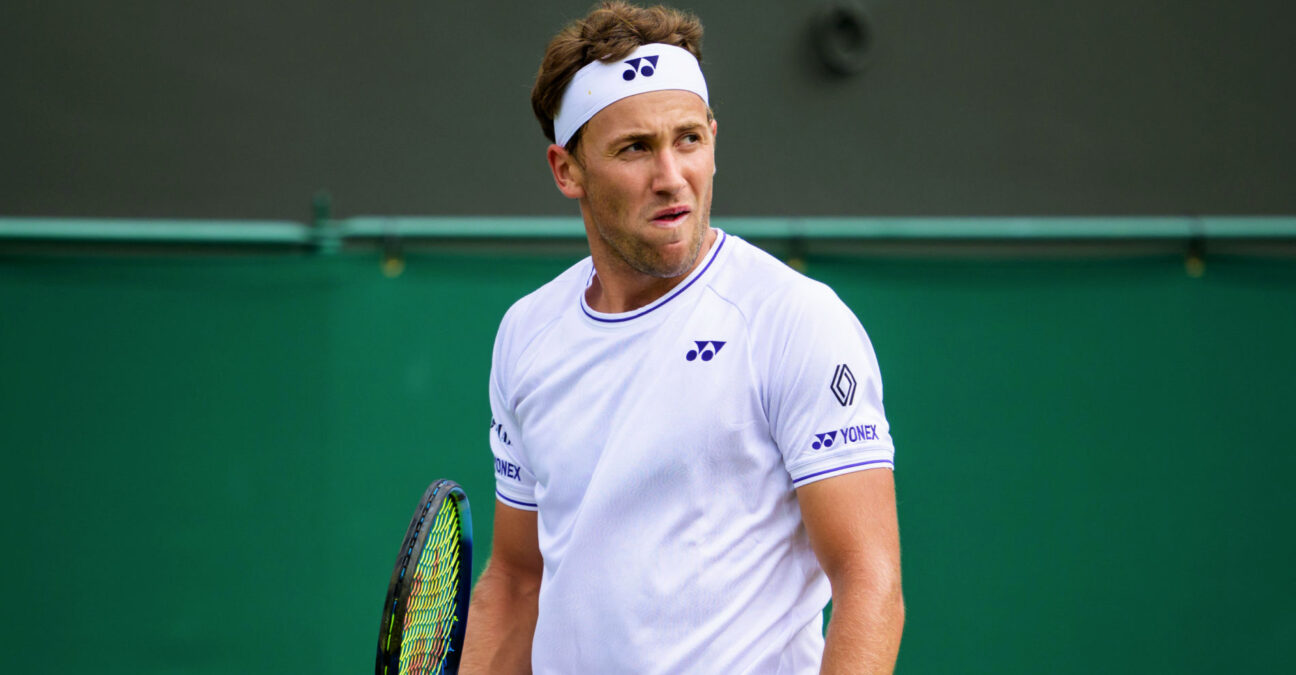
(243, 108)
(209, 461)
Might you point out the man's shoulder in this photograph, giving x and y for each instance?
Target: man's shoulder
(536, 310)
(757, 283)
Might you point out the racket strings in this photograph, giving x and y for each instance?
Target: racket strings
(431, 613)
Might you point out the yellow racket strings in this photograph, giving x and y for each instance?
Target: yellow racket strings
(430, 616)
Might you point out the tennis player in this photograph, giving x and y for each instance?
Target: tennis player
(690, 449)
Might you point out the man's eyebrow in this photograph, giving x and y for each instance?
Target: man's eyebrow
(643, 136)
(689, 126)
(632, 137)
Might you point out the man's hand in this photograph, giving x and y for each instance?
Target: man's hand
(852, 524)
(505, 601)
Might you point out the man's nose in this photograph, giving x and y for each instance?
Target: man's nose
(668, 177)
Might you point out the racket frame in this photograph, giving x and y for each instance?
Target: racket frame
(412, 548)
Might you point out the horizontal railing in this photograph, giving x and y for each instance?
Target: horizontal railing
(329, 235)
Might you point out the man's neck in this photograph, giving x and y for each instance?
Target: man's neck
(617, 287)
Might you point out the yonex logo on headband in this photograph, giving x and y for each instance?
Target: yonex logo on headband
(651, 67)
(647, 69)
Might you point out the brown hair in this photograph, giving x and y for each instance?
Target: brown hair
(611, 31)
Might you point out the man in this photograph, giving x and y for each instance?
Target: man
(690, 449)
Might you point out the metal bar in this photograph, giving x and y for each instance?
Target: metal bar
(1014, 229)
(176, 231)
(977, 228)
(485, 227)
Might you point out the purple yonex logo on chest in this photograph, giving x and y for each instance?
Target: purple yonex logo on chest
(706, 350)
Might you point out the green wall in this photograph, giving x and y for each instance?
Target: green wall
(210, 460)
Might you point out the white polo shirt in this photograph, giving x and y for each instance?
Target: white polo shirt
(662, 448)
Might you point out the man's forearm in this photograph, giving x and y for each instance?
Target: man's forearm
(864, 632)
(501, 624)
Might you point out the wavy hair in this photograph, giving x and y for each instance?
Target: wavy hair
(610, 31)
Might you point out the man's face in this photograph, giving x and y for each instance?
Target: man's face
(645, 170)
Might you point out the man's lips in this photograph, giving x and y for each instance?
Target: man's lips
(670, 216)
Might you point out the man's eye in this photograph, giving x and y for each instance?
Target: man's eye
(634, 147)
(691, 138)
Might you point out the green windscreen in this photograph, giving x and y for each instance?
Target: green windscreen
(208, 458)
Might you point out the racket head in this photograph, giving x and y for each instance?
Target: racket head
(426, 611)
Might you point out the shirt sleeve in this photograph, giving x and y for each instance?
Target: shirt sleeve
(514, 482)
(825, 397)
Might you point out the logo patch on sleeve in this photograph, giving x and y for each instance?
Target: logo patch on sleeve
(851, 435)
(500, 432)
(843, 385)
(505, 469)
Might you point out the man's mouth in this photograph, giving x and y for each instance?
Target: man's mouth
(671, 216)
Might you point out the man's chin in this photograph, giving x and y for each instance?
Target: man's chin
(663, 256)
(678, 258)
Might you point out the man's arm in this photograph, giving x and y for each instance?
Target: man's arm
(852, 524)
(502, 614)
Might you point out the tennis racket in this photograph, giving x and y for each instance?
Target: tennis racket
(426, 612)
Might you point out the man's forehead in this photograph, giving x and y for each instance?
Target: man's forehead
(649, 111)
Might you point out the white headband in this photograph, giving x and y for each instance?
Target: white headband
(652, 67)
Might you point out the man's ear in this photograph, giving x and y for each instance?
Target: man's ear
(715, 130)
(567, 174)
